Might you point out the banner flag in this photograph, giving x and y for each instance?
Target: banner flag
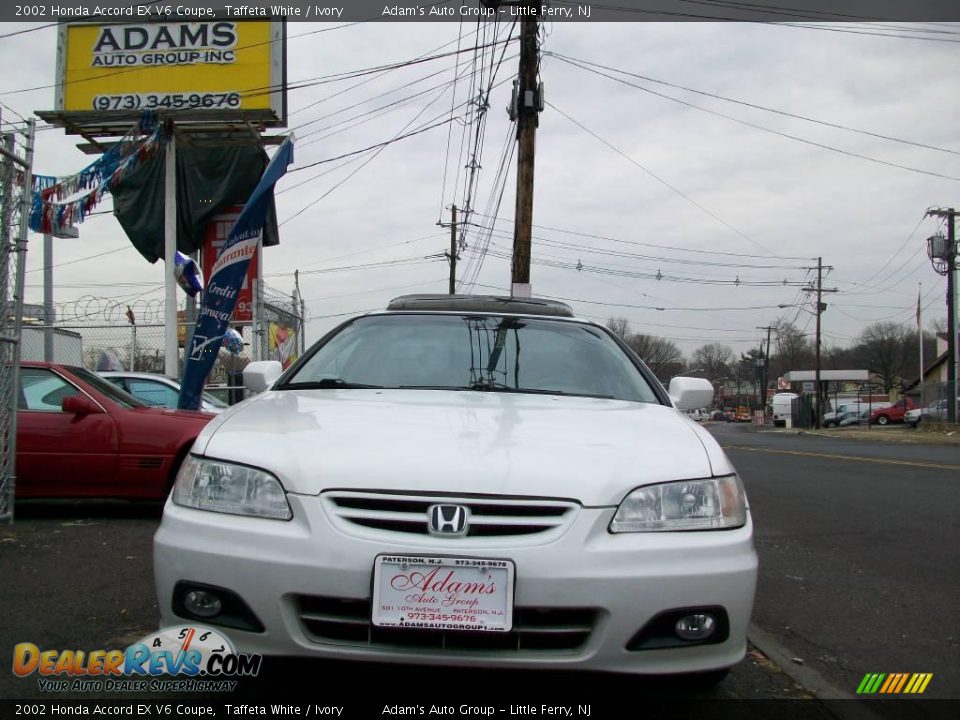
(220, 295)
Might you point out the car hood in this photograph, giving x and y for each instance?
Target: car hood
(587, 449)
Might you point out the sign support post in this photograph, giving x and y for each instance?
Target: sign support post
(171, 352)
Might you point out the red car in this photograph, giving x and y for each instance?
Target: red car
(80, 436)
(893, 413)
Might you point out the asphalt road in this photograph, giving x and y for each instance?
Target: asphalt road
(859, 573)
(79, 576)
(859, 546)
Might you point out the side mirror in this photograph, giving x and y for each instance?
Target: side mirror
(690, 393)
(80, 405)
(259, 376)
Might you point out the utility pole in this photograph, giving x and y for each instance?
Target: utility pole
(819, 289)
(526, 106)
(765, 370)
(452, 256)
(943, 254)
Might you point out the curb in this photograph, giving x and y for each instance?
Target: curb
(808, 678)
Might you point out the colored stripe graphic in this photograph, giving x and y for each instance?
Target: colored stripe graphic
(894, 683)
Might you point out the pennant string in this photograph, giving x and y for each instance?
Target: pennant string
(63, 202)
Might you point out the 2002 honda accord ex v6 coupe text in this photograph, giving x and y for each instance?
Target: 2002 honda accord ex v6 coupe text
(465, 480)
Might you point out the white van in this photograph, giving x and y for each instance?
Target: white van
(782, 407)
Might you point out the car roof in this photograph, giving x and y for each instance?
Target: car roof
(481, 304)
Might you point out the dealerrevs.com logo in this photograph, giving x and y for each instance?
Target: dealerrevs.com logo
(185, 658)
(894, 683)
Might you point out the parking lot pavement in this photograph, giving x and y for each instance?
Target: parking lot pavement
(79, 576)
(858, 546)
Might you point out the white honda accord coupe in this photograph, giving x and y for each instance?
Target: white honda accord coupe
(465, 480)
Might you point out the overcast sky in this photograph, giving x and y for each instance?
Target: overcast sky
(724, 187)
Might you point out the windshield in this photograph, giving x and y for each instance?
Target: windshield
(483, 353)
(121, 397)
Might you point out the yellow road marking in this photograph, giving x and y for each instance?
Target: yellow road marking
(882, 461)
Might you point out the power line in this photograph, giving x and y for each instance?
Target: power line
(747, 123)
(453, 101)
(750, 7)
(84, 259)
(135, 69)
(660, 308)
(364, 251)
(655, 258)
(415, 260)
(567, 231)
(370, 79)
(367, 161)
(755, 106)
(660, 180)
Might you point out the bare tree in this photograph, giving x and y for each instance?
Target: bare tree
(619, 326)
(714, 358)
(883, 348)
(794, 350)
(661, 355)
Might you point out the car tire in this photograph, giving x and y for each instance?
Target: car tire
(882, 420)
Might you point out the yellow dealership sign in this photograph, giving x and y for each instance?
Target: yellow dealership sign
(173, 66)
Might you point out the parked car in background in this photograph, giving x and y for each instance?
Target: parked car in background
(934, 411)
(892, 413)
(79, 435)
(699, 414)
(853, 417)
(467, 481)
(158, 390)
(832, 418)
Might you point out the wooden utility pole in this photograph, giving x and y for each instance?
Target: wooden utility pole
(943, 254)
(765, 371)
(527, 109)
(452, 256)
(820, 307)
(952, 391)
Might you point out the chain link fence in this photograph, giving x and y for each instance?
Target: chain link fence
(140, 347)
(16, 158)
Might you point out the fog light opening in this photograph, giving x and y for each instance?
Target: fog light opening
(202, 603)
(697, 626)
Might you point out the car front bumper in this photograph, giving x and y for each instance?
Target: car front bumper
(611, 584)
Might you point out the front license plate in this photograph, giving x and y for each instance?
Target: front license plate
(443, 593)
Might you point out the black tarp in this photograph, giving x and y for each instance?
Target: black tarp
(209, 180)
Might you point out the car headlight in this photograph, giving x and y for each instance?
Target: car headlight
(711, 504)
(227, 488)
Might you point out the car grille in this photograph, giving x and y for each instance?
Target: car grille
(340, 621)
(489, 517)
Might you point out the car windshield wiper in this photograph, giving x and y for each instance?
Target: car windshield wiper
(325, 384)
(487, 386)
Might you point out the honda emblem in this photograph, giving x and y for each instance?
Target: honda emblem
(447, 520)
